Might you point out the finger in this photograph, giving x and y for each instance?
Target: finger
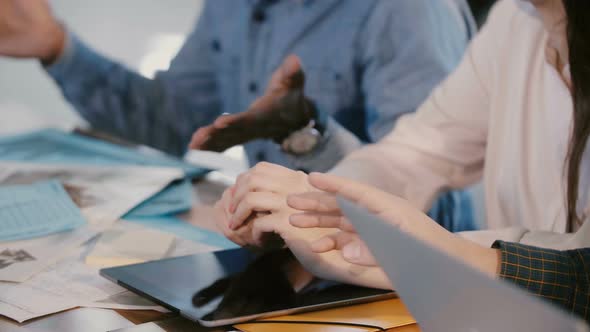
(357, 252)
(320, 202)
(366, 196)
(227, 120)
(283, 77)
(200, 137)
(311, 220)
(255, 202)
(334, 241)
(262, 177)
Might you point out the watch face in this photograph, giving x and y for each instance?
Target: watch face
(302, 142)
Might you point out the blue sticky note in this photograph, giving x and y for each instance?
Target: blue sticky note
(174, 199)
(185, 230)
(54, 146)
(34, 210)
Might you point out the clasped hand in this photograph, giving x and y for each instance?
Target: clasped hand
(293, 205)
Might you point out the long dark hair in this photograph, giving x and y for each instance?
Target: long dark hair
(578, 38)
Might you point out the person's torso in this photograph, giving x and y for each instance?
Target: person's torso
(529, 130)
(324, 34)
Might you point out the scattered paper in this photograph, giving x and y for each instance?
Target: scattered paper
(130, 244)
(176, 198)
(23, 259)
(51, 146)
(64, 285)
(104, 194)
(34, 210)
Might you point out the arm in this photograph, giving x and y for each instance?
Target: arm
(443, 144)
(161, 112)
(561, 277)
(400, 62)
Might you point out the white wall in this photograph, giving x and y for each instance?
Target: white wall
(129, 31)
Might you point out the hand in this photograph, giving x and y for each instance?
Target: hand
(264, 188)
(321, 210)
(29, 30)
(254, 209)
(281, 110)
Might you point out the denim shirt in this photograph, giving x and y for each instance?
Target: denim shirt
(367, 62)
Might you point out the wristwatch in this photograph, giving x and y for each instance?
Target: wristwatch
(304, 140)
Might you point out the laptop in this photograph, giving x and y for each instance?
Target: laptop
(444, 294)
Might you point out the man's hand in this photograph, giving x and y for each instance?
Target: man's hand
(281, 110)
(28, 29)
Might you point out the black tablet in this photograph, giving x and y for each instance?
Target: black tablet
(234, 286)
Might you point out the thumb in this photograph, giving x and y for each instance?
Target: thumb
(356, 252)
(289, 75)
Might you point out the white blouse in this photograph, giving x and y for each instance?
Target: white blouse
(505, 115)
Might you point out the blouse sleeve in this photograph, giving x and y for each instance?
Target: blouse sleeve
(441, 146)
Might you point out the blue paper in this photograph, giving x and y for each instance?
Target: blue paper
(38, 209)
(185, 230)
(174, 199)
(54, 146)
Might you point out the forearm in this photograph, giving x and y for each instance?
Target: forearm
(561, 277)
(116, 100)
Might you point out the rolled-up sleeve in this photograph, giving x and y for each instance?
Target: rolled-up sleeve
(561, 277)
(162, 112)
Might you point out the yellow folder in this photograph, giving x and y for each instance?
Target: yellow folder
(388, 315)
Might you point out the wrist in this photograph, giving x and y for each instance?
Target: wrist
(55, 45)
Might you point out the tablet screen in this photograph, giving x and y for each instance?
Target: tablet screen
(230, 286)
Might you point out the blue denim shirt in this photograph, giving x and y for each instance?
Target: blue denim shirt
(367, 62)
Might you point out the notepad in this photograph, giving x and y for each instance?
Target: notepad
(35, 210)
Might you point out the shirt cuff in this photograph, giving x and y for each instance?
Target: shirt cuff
(335, 144)
(76, 62)
(546, 273)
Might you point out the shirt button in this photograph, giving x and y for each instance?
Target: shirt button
(216, 45)
(253, 87)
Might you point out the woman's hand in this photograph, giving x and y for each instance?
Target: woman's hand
(254, 208)
(264, 188)
(321, 210)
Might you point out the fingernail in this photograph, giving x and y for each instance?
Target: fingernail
(351, 251)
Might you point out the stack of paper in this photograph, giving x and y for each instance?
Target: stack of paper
(34, 210)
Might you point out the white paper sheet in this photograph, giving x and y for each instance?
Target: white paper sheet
(128, 243)
(104, 194)
(65, 285)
